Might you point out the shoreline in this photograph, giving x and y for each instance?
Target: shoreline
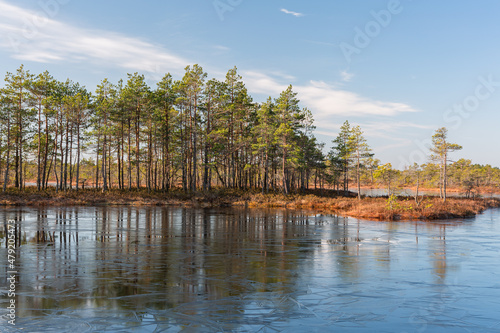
(319, 201)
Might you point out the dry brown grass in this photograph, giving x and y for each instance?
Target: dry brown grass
(320, 201)
(380, 208)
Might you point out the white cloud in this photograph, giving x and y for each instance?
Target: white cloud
(259, 83)
(391, 130)
(379, 129)
(284, 76)
(36, 36)
(346, 76)
(291, 13)
(402, 143)
(221, 48)
(328, 101)
(394, 126)
(39, 37)
(331, 105)
(325, 100)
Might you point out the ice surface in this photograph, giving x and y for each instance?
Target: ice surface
(127, 269)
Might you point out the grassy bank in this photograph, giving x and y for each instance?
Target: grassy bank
(403, 208)
(479, 190)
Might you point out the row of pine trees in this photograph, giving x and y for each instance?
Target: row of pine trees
(192, 133)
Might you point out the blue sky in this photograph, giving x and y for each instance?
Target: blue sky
(399, 69)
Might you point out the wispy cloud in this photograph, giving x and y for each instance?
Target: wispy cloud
(394, 126)
(38, 37)
(391, 130)
(260, 83)
(283, 76)
(286, 11)
(330, 101)
(221, 48)
(49, 40)
(331, 105)
(381, 129)
(402, 143)
(346, 76)
(388, 134)
(324, 99)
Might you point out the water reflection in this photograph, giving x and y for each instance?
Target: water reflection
(111, 268)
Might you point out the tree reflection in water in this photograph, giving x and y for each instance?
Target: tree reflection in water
(222, 269)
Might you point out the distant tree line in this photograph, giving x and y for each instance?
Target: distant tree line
(350, 158)
(192, 133)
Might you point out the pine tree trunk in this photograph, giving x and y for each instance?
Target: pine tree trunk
(444, 176)
(7, 162)
(118, 162)
(285, 187)
(71, 160)
(137, 152)
(358, 179)
(66, 157)
(97, 162)
(104, 161)
(129, 154)
(61, 170)
(45, 174)
(39, 152)
(78, 148)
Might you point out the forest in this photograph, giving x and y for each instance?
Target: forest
(195, 134)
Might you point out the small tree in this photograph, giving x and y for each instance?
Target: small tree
(465, 174)
(415, 172)
(289, 120)
(265, 138)
(386, 174)
(440, 150)
(360, 152)
(372, 165)
(342, 151)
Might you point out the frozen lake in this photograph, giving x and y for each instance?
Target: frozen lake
(127, 269)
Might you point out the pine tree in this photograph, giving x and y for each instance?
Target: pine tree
(40, 88)
(137, 97)
(104, 104)
(387, 175)
(361, 152)
(6, 107)
(288, 117)
(165, 99)
(440, 150)
(193, 82)
(265, 142)
(341, 153)
(17, 90)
